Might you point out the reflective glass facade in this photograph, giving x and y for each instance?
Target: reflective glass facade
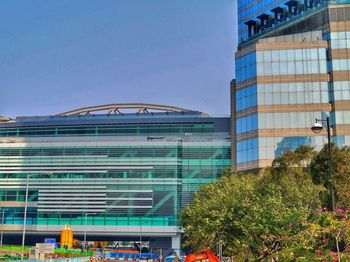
(117, 175)
(249, 9)
(257, 16)
(291, 62)
(292, 66)
(245, 67)
(293, 93)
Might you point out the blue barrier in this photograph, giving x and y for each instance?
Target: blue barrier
(172, 258)
(133, 255)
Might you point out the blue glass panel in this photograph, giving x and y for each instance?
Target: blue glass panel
(246, 67)
(291, 143)
(246, 97)
(247, 124)
(247, 151)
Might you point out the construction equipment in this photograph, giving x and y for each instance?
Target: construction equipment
(66, 237)
(203, 255)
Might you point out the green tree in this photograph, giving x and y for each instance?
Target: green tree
(252, 216)
(324, 237)
(293, 163)
(341, 174)
(274, 215)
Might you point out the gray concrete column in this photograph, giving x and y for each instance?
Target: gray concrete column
(176, 244)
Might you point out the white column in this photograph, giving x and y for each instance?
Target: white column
(176, 244)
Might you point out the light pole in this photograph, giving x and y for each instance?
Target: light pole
(140, 235)
(85, 229)
(84, 249)
(141, 232)
(2, 225)
(220, 248)
(317, 128)
(25, 216)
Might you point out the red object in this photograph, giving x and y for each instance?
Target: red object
(204, 254)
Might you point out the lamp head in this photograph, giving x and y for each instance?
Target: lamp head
(317, 128)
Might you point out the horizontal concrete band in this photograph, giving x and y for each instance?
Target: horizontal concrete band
(338, 6)
(285, 132)
(342, 130)
(278, 132)
(343, 75)
(254, 165)
(343, 53)
(18, 204)
(339, 26)
(285, 79)
(268, 46)
(341, 105)
(79, 141)
(284, 108)
(145, 230)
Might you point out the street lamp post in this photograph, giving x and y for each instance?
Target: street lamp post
(220, 249)
(317, 128)
(140, 236)
(86, 214)
(2, 225)
(25, 216)
(141, 233)
(85, 229)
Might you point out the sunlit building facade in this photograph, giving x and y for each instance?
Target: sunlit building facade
(292, 66)
(117, 176)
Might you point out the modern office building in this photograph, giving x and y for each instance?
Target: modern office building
(292, 66)
(115, 174)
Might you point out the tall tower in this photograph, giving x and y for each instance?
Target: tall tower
(292, 66)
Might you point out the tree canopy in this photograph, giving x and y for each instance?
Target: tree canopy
(261, 216)
(250, 215)
(341, 173)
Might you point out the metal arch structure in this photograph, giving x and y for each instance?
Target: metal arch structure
(5, 119)
(118, 109)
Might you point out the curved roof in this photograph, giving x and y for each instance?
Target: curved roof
(118, 109)
(4, 119)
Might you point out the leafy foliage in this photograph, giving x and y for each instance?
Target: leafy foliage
(250, 215)
(293, 162)
(278, 214)
(325, 237)
(340, 170)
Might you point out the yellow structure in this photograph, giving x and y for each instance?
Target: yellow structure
(66, 237)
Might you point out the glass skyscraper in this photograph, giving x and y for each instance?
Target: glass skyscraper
(292, 66)
(118, 176)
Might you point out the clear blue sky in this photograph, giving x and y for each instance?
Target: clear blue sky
(57, 55)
